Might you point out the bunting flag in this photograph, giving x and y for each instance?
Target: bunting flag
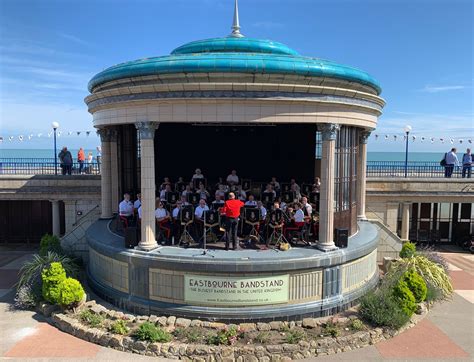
(422, 139)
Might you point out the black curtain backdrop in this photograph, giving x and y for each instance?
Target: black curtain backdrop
(256, 152)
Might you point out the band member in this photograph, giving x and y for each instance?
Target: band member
(275, 184)
(231, 210)
(282, 203)
(297, 219)
(251, 201)
(184, 202)
(180, 185)
(317, 184)
(176, 225)
(307, 208)
(162, 218)
(219, 201)
(166, 181)
(242, 194)
(164, 191)
(198, 219)
(269, 189)
(296, 189)
(203, 193)
(137, 203)
(126, 207)
(263, 211)
(197, 175)
(233, 179)
(187, 190)
(220, 192)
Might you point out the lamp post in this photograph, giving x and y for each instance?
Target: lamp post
(55, 126)
(407, 130)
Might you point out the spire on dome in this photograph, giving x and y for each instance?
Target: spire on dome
(235, 24)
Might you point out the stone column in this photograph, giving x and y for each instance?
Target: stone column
(361, 174)
(105, 174)
(405, 220)
(147, 149)
(114, 186)
(326, 213)
(56, 218)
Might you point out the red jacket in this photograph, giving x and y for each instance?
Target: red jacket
(232, 208)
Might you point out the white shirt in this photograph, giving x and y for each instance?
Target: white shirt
(451, 158)
(263, 212)
(185, 193)
(140, 212)
(233, 179)
(242, 195)
(137, 204)
(270, 192)
(197, 176)
(251, 203)
(203, 194)
(299, 216)
(126, 208)
(309, 209)
(175, 212)
(199, 210)
(163, 195)
(276, 185)
(160, 213)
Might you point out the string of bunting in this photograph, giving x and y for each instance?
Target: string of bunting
(29, 137)
(422, 139)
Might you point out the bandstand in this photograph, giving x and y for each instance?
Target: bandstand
(234, 103)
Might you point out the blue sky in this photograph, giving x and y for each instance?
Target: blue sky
(421, 51)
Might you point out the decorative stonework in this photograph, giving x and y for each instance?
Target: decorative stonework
(105, 134)
(364, 136)
(329, 131)
(147, 129)
(321, 345)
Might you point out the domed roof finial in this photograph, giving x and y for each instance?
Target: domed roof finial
(235, 24)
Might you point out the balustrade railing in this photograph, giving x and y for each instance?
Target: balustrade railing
(415, 169)
(44, 166)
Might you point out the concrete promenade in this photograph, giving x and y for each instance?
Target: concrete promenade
(447, 334)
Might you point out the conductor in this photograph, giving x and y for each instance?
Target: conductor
(231, 210)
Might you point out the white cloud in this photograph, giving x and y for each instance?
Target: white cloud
(437, 89)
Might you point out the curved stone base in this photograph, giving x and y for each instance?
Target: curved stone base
(235, 286)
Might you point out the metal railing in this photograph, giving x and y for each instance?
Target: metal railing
(33, 167)
(415, 169)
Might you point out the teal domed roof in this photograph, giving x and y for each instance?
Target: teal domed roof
(229, 44)
(234, 55)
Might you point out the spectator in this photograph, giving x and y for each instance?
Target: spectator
(81, 157)
(451, 161)
(65, 159)
(89, 160)
(467, 164)
(99, 157)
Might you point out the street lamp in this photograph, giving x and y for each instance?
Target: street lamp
(55, 126)
(407, 130)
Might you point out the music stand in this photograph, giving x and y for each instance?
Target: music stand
(268, 198)
(171, 197)
(288, 196)
(246, 185)
(314, 199)
(211, 220)
(306, 189)
(252, 216)
(217, 205)
(197, 181)
(193, 198)
(186, 218)
(284, 187)
(275, 222)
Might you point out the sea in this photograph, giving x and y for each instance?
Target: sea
(371, 156)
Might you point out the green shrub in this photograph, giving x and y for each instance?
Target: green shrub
(432, 273)
(227, 336)
(416, 284)
(191, 335)
(52, 277)
(30, 272)
(331, 329)
(50, 243)
(151, 333)
(294, 336)
(356, 325)
(70, 292)
(262, 337)
(119, 327)
(405, 297)
(408, 250)
(90, 318)
(380, 308)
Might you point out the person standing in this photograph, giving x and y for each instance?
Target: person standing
(81, 157)
(467, 164)
(98, 157)
(65, 159)
(89, 160)
(451, 161)
(231, 210)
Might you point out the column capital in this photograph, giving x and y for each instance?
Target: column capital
(105, 134)
(113, 134)
(364, 136)
(147, 129)
(329, 131)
